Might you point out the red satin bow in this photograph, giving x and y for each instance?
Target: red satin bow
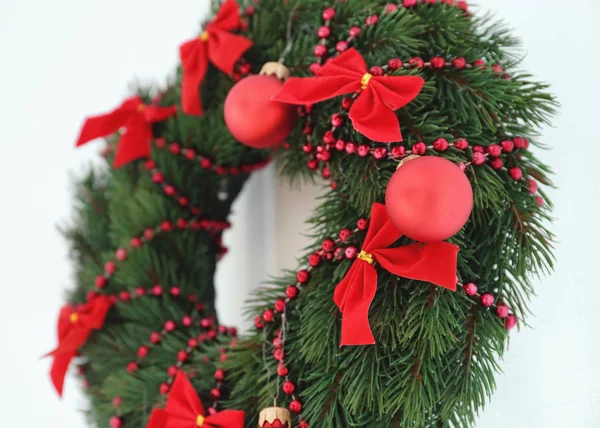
(216, 44)
(74, 327)
(372, 113)
(185, 410)
(433, 262)
(136, 118)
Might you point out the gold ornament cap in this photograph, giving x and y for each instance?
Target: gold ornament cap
(270, 414)
(407, 159)
(275, 69)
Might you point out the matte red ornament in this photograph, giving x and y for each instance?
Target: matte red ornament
(217, 45)
(184, 409)
(429, 199)
(373, 112)
(136, 119)
(274, 417)
(432, 262)
(253, 118)
(75, 324)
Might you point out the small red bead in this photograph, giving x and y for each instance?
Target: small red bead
(215, 393)
(320, 50)
(115, 422)
(390, 8)
(379, 153)
(363, 150)
(100, 281)
(350, 252)
(409, 3)
(494, 150)
(515, 173)
(502, 310)
(143, 351)
(314, 259)
(324, 155)
(337, 120)
(175, 291)
(183, 201)
(172, 371)
(371, 20)
(354, 32)
(478, 149)
(124, 296)
(507, 146)
(312, 164)
(362, 223)
(140, 291)
(479, 64)
(132, 367)
(497, 68)
(249, 11)
(519, 142)
(496, 163)
(206, 323)
(288, 387)
(328, 13)
(279, 305)
(160, 143)
(419, 148)
(282, 370)
(157, 290)
(302, 276)
(116, 402)
(307, 148)
(323, 32)
(461, 144)
(328, 244)
(532, 185)
(441, 145)
(417, 62)
(487, 300)
(459, 63)
(182, 356)
(219, 374)
(398, 151)
(345, 234)
(150, 164)
(135, 242)
(190, 154)
(341, 46)
(314, 68)
(462, 5)
(470, 289)
(166, 226)
(186, 321)
(478, 158)
(268, 315)
(303, 424)
(511, 321)
(295, 406)
(164, 388)
(169, 190)
(376, 70)
(350, 147)
(110, 267)
(328, 137)
(121, 254)
(170, 325)
(158, 177)
(438, 62)
(291, 291)
(174, 148)
(148, 234)
(462, 166)
(279, 354)
(155, 337)
(395, 64)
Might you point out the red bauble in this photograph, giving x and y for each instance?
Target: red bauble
(429, 199)
(252, 118)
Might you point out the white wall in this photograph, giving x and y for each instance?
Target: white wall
(66, 58)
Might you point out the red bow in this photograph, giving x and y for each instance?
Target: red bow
(136, 118)
(372, 113)
(74, 327)
(432, 262)
(216, 44)
(185, 410)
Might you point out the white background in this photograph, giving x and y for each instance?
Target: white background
(63, 59)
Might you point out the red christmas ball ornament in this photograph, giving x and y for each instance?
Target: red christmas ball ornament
(274, 417)
(252, 118)
(429, 199)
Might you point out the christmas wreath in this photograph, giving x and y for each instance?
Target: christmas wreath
(432, 220)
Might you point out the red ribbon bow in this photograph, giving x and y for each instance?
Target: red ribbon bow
(433, 262)
(185, 410)
(137, 119)
(74, 327)
(216, 44)
(372, 113)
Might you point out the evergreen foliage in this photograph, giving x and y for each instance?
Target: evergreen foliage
(437, 351)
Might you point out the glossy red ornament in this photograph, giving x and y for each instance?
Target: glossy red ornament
(429, 199)
(253, 118)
